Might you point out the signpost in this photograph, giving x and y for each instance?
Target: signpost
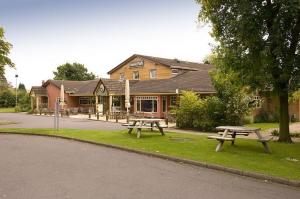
(56, 115)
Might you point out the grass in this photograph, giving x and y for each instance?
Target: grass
(264, 126)
(7, 110)
(246, 155)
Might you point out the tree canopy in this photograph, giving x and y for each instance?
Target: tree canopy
(22, 87)
(4, 52)
(259, 40)
(75, 71)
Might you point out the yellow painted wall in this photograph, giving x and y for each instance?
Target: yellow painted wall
(162, 72)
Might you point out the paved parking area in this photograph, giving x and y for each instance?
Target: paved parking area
(34, 167)
(24, 120)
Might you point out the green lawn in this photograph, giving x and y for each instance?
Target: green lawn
(264, 126)
(246, 155)
(7, 110)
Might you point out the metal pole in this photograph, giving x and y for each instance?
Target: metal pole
(16, 89)
(55, 116)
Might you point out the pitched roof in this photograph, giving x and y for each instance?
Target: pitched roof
(172, 63)
(39, 90)
(75, 88)
(116, 87)
(198, 81)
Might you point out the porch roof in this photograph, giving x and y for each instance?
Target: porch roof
(38, 91)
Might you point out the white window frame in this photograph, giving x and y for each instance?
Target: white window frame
(151, 72)
(134, 77)
(139, 100)
(257, 101)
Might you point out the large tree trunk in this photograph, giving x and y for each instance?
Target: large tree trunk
(284, 133)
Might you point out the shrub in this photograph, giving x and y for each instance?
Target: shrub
(228, 107)
(7, 99)
(24, 101)
(264, 116)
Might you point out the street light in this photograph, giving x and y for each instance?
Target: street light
(16, 76)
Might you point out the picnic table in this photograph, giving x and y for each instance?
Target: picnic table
(145, 123)
(233, 131)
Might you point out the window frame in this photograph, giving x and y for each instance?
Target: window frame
(133, 75)
(151, 74)
(139, 103)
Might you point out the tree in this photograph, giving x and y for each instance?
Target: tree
(259, 40)
(3, 82)
(22, 87)
(73, 71)
(4, 51)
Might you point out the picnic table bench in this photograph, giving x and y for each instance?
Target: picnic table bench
(233, 131)
(145, 123)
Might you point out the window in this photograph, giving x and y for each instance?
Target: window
(173, 100)
(147, 104)
(164, 104)
(175, 72)
(153, 74)
(135, 75)
(86, 101)
(122, 77)
(257, 102)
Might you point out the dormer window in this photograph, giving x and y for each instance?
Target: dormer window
(175, 72)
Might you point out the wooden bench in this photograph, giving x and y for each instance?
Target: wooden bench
(127, 124)
(264, 142)
(221, 140)
(238, 133)
(163, 126)
(139, 129)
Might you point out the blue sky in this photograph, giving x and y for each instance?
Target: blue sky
(97, 33)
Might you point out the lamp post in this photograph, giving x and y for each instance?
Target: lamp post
(16, 76)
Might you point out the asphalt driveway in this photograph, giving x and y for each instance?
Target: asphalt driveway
(34, 167)
(24, 120)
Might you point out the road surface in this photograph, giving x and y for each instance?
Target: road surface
(34, 167)
(24, 120)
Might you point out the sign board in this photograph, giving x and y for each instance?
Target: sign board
(136, 64)
(102, 91)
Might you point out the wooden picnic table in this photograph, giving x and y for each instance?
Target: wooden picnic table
(141, 123)
(233, 131)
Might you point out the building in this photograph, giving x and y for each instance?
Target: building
(155, 84)
(79, 95)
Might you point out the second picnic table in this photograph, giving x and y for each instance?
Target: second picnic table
(238, 130)
(141, 123)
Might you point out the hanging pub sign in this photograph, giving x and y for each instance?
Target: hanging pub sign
(136, 64)
(102, 91)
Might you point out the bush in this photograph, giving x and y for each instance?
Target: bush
(228, 107)
(17, 109)
(264, 116)
(24, 101)
(7, 99)
(189, 108)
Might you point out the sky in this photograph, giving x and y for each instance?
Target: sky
(98, 33)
